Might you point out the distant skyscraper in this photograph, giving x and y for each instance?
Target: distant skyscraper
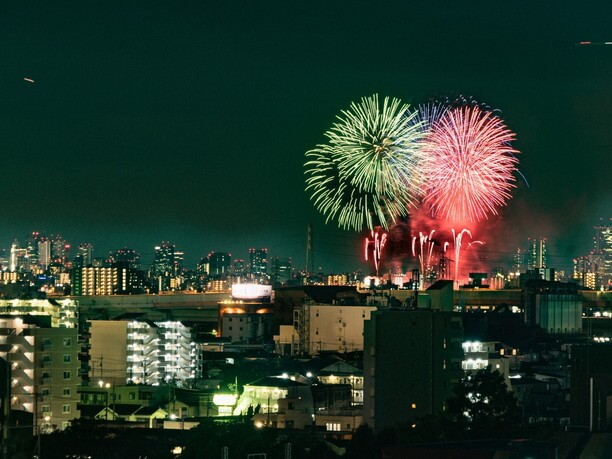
(538, 255)
(163, 265)
(85, 250)
(32, 247)
(281, 270)
(126, 255)
(602, 253)
(60, 250)
(258, 266)
(239, 268)
(179, 261)
(84, 256)
(219, 264)
(18, 260)
(519, 263)
(44, 252)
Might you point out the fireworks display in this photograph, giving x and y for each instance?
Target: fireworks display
(369, 172)
(470, 165)
(450, 163)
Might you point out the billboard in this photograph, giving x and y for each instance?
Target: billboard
(251, 291)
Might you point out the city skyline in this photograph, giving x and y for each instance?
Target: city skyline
(125, 125)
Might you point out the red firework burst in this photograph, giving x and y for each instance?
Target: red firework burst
(470, 165)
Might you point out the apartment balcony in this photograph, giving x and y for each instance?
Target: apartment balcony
(20, 374)
(24, 360)
(18, 389)
(24, 346)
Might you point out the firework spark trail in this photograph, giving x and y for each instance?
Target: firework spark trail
(457, 246)
(369, 172)
(470, 165)
(377, 244)
(426, 247)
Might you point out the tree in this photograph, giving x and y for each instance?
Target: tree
(362, 444)
(483, 407)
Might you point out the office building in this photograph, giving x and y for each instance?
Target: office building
(258, 265)
(281, 271)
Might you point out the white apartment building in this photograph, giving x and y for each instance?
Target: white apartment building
(141, 352)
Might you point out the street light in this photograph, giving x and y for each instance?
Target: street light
(39, 431)
(106, 386)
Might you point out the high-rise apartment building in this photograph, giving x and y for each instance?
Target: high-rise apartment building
(43, 355)
(141, 352)
(91, 280)
(412, 360)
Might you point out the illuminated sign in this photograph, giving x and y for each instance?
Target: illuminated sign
(251, 291)
(224, 399)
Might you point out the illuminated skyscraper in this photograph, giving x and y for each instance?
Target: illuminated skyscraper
(163, 269)
(18, 260)
(84, 256)
(258, 266)
(44, 252)
(538, 256)
(60, 250)
(85, 250)
(602, 254)
(127, 255)
(163, 264)
(219, 264)
(281, 270)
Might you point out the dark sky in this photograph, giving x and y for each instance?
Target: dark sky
(188, 120)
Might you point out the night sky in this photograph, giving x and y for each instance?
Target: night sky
(188, 120)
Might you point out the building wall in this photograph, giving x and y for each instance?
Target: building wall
(58, 364)
(108, 351)
(559, 313)
(412, 359)
(333, 327)
(591, 382)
